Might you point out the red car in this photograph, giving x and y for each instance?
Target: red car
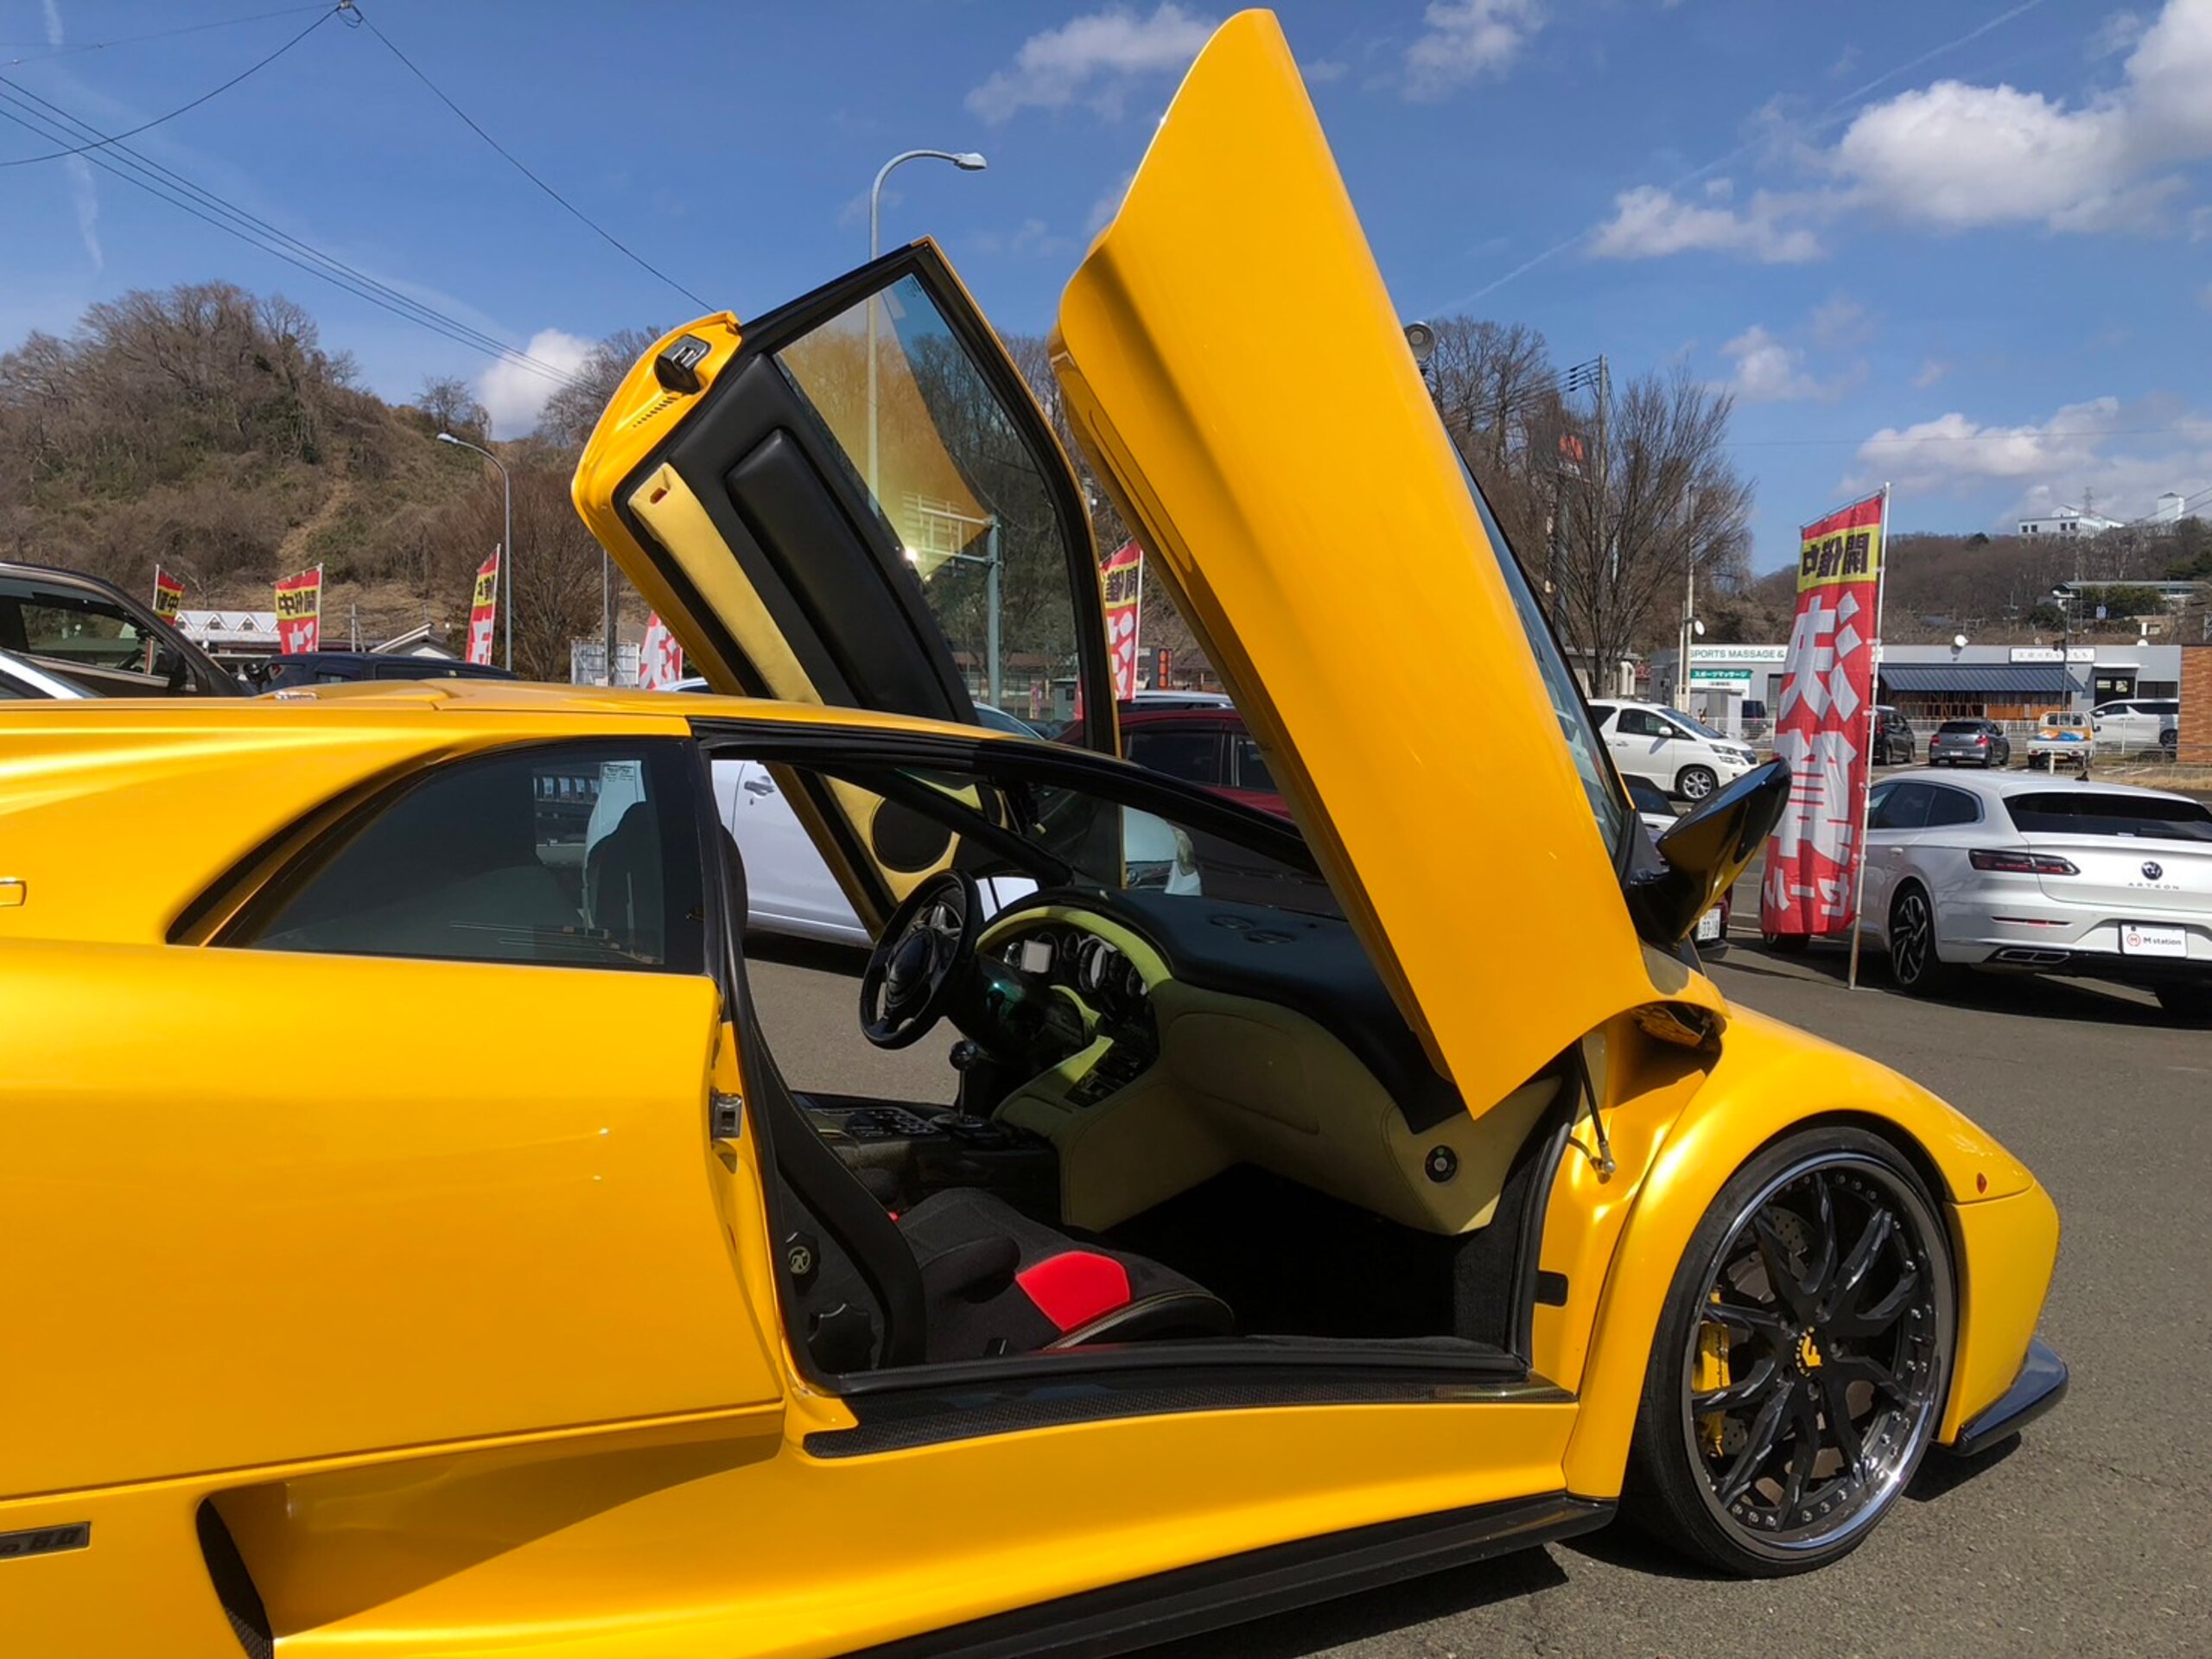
(1202, 745)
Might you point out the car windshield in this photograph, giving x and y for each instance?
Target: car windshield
(1697, 725)
(1010, 822)
(1600, 784)
(2097, 812)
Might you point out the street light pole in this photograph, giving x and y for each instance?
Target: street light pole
(506, 542)
(967, 161)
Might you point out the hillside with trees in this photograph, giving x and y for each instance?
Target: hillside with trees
(210, 431)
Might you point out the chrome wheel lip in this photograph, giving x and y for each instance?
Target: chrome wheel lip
(1875, 1495)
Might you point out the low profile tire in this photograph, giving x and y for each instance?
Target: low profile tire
(2190, 1004)
(1913, 962)
(1788, 945)
(1696, 783)
(1802, 1356)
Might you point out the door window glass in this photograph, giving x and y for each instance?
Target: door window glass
(581, 857)
(1252, 766)
(1194, 757)
(961, 490)
(1642, 722)
(1951, 806)
(1904, 807)
(82, 629)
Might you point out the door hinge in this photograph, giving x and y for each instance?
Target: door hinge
(729, 1115)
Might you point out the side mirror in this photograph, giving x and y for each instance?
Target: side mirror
(1705, 852)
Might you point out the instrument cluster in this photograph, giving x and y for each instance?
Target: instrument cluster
(1090, 966)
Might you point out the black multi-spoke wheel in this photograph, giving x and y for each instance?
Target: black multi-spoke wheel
(1913, 961)
(1799, 1375)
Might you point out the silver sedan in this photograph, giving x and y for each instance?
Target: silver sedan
(2028, 874)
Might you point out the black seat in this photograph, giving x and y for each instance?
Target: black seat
(962, 1275)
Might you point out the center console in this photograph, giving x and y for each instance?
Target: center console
(903, 1152)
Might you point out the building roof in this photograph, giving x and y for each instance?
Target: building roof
(2030, 679)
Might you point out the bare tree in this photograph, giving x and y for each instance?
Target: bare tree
(1667, 497)
(575, 406)
(453, 407)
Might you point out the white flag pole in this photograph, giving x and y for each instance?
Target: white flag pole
(1873, 698)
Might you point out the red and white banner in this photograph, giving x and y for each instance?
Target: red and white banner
(660, 661)
(1823, 723)
(484, 609)
(1121, 574)
(169, 594)
(299, 611)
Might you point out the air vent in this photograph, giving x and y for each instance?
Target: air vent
(649, 410)
(234, 1585)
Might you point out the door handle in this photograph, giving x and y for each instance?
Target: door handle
(758, 786)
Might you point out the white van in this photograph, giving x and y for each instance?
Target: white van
(2135, 725)
(1682, 755)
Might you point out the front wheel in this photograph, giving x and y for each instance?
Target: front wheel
(1803, 1355)
(1696, 783)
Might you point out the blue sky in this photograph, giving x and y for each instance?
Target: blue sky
(1965, 246)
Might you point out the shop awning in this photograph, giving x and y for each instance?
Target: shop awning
(1999, 679)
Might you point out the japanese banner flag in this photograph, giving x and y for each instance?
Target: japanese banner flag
(660, 662)
(484, 609)
(299, 611)
(1822, 721)
(1122, 577)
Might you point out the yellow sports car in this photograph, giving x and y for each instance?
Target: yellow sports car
(414, 1248)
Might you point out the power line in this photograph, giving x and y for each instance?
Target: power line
(50, 121)
(182, 108)
(597, 229)
(156, 34)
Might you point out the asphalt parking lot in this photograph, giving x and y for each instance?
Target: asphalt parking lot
(2090, 1534)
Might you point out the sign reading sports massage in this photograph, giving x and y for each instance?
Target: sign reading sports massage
(1821, 724)
(299, 611)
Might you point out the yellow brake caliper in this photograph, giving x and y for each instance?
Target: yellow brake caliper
(1712, 1373)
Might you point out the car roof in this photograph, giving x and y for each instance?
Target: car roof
(2001, 785)
(1217, 715)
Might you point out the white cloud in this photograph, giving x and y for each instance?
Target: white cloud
(1650, 223)
(1930, 371)
(513, 395)
(1032, 238)
(2124, 454)
(1322, 70)
(1767, 372)
(1096, 58)
(1467, 39)
(1956, 157)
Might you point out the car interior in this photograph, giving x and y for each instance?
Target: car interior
(1186, 1110)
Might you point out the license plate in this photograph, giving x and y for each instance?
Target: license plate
(1709, 925)
(2138, 940)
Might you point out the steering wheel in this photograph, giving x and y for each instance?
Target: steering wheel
(917, 966)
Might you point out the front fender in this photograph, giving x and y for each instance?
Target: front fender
(1686, 1138)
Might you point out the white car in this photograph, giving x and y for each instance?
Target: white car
(1682, 755)
(2004, 871)
(27, 681)
(2133, 726)
(789, 891)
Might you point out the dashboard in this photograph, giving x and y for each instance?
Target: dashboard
(1100, 974)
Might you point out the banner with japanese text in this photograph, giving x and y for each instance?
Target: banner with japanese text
(1821, 724)
(299, 611)
(484, 610)
(660, 663)
(1122, 575)
(169, 594)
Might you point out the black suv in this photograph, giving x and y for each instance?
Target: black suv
(1892, 737)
